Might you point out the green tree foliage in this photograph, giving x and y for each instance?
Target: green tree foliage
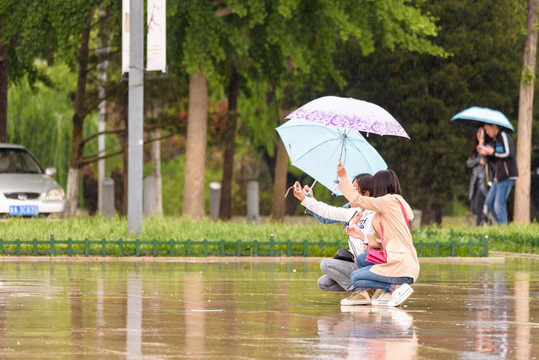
(46, 111)
(24, 34)
(297, 51)
(288, 52)
(26, 30)
(423, 92)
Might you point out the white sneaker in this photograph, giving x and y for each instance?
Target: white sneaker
(360, 298)
(399, 296)
(377, 294)
(382, 300)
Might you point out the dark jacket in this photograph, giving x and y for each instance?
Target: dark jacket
(504, 158)
(478, 180)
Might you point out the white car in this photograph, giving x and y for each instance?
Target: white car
(25, 189)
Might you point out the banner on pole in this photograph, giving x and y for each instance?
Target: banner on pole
(125, 36)
(156, 50)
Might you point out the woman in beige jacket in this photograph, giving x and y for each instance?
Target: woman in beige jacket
(391, 220)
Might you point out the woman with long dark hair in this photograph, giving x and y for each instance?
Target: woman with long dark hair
(479, 179)
(391, 224)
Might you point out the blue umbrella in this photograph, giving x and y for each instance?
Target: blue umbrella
(477, 116)
(316, 149)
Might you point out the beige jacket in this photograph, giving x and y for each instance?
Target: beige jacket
(401, 254)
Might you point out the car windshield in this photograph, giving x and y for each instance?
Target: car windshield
(18, 161)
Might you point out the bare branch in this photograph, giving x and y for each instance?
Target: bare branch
(90, 159)
(157, 139)
(107, 132)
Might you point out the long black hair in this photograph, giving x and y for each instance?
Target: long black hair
(488, 140)
(385, 182)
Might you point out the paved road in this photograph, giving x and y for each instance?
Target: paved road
(261, 310)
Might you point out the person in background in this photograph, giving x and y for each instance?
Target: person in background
(479, 180)
(501, 150)
(390, 223)
(337, 272)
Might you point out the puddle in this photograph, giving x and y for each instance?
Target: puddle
(264, 310)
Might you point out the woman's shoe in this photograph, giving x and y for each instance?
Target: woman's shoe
(377, 294)
(399, 296)
(360, 298)
(382, 300)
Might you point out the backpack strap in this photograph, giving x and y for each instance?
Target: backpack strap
(382, 238)
(404, 215)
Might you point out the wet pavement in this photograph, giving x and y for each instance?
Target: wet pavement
(261, 310)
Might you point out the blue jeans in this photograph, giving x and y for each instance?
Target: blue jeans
(363, 278)
(497, 198)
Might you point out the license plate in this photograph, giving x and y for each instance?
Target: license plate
(24, 210)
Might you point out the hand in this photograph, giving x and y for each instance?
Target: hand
(298, 192)
(372, 243)
(341, 171)
(356, 218)
(481, 135)
(354, 232)
(308, 191)
(485, 150)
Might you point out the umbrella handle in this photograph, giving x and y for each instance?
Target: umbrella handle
(342, 144)
(307, 194)
(336, 181)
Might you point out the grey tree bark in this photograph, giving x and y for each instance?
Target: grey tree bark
(3, 91)
(525, 118)
(156, 165)
(225, 203)
(279, 180)
(77, 147)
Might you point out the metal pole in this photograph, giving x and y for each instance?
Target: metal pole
(135, 117)
(102, 41)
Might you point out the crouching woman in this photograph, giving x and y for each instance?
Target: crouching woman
(391, 225)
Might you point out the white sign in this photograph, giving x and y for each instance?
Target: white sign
(156, 50)
(125, 36)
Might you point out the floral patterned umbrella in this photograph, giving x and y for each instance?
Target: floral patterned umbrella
(349, 113)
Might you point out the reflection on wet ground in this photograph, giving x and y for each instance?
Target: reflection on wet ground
(250, 310)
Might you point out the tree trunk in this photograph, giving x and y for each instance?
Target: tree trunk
(77, 148)
(432, 215)
(279, 180)
(525, 117)
(3, 91)
(125, 175)
(156, 165)
(225, 204)
(73, 177)
(124, 144)
(195, 153)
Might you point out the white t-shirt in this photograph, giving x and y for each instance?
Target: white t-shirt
(357, 246)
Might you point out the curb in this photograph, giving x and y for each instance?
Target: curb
(225, 259)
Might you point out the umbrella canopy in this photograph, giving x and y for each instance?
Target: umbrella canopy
(349, 113)
(477, 116)
(316, 149)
